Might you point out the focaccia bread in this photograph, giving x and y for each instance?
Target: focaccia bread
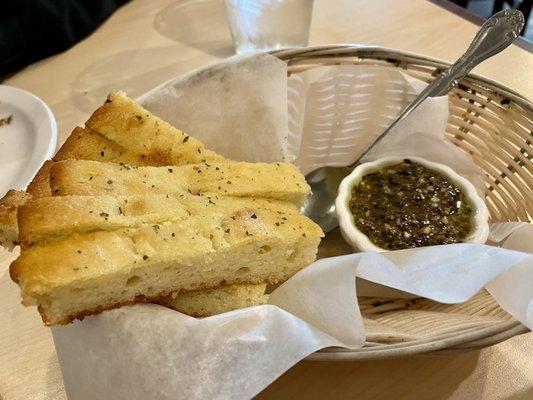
(8, 217)
(120, 216)
(50, 218)
(279, 181)
(204, 303)
(90, 272)
(134, 143)
(126, 123)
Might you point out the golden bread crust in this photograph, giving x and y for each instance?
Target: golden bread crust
(133, 210)
(280, 181)
(84, 144)
(207, 302)
(50, 218)
(126, 123)
(246, 246)
(40, 185)
(8, 217)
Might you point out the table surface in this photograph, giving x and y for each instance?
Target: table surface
(148, 41)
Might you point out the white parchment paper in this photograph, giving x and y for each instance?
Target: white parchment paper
(148, 351)
(237, 107)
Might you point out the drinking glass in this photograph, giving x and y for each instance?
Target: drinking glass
(263, 25)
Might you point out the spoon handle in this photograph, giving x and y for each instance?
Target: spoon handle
(495, 34)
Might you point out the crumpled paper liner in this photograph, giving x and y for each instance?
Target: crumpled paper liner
(235, 107)
(148, 351)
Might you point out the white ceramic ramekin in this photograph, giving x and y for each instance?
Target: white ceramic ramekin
(359, 241)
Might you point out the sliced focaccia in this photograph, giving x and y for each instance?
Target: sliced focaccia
(118, 136)
(126, 123)
(280, 181)
(90, 272)
(207, 302)
(50, 218)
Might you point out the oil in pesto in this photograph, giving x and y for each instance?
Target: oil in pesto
(409, 205)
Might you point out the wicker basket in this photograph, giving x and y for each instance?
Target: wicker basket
(494, 125)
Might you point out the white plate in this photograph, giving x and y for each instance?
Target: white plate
(26, 142)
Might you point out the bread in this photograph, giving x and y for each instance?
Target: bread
(50, 218)
(8, 217)
(81, 144)
(84, 144)
(157, 218)
(114, 133)
(126, 123)
(280, 181)
(204, 303)
(90, 272)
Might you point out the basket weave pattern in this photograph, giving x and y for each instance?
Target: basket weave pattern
(494, 125)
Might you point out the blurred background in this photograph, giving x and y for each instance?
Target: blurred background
(485, 8)
(31, 30)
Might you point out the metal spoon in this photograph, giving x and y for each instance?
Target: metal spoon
(495, 34)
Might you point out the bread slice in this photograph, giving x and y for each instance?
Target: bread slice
(81, 144)
(126, 123)
(87, 273)
(122, 132)
(280, 181)
(144, 141)
(84, 144)
(8, 217)
(50, 218)
(204, 303)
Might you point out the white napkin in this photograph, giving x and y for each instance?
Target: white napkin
(148, 351)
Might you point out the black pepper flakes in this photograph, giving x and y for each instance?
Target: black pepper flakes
(185, 139)
(145, 257)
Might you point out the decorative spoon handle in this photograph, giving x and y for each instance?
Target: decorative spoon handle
(495, 34)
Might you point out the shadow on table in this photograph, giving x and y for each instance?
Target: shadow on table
(399, 379)
(198, 24)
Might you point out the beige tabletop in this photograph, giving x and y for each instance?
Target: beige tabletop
(149, 41)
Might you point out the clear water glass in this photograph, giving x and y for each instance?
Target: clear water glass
(264, 25)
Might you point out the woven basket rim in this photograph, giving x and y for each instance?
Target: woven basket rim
(470, 339)
(333, 49)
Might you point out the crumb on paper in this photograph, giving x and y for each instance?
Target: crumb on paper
(6, 120)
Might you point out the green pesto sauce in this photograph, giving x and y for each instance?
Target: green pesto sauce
(408, 205)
